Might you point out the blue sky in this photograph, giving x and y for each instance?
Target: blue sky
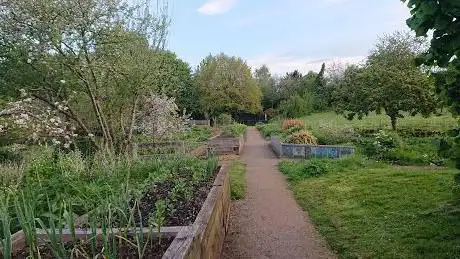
(284, 34)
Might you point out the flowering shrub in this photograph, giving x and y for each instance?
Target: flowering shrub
(301, 137)
(161, 118)
(380, 144)
(39, 119)
(287, 124)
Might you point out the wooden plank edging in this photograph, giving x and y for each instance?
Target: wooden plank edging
(204, 239)
(19, 242)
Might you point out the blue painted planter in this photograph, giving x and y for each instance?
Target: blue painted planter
(309, 151)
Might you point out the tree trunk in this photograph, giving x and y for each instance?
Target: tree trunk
(131, 126)
(393, 122)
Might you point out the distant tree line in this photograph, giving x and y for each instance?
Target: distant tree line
(388, 81)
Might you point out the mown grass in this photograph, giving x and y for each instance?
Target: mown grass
(237, 172)
(380, 121)
(420, 137)
(367, 209)
(319, 122)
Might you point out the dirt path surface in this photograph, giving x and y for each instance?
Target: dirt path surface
(268, 223)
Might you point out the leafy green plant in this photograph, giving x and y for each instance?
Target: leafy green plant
(197, 134)
(301, 137)
(291, 131)
(234, 130)
(297, 106)
(305, 169)
(8, 155)
(6, 242)
(380, 144)
(329, 134)
(291, 123)
(224, 119)
(269, 129)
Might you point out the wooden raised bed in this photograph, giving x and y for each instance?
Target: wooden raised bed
(203, 239)
(226, 145)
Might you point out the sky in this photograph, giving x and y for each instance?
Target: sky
(283, 34)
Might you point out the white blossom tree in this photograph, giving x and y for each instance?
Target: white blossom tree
(161, 118)
(102, 52)
(38, 119)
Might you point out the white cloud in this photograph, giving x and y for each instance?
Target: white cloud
(280, 64)
(213, 7)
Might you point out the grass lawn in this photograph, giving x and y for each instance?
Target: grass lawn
(374, 121)
(319, 123)
(238, 182)
(373, 210)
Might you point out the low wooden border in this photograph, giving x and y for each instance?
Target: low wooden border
(227, 145)
(203, 149)
(203, 239)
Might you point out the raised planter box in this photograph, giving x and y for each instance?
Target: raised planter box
(203, 149)
(226, 145)
(201, 123)
(309, 151)
(203, 239)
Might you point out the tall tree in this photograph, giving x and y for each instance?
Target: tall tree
(390, 81)
(97, 52)
(442, 18)
(174, 79)
(321, 91)
(226, 84)
(267, 86)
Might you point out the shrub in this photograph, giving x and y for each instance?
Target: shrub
(302, 169)
(314, 168)
(270, 129)
(287, 124)
(197, 134)
(380, 144)
(271, 113)
(9, 155)
(224, 119)
(234, 130)
(302, 137)
(296, 106)
(331, 135)
(291, 131)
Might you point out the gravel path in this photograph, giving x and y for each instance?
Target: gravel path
(268, 223)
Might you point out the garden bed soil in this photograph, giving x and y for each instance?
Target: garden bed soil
(184, 214)
(154, 249)
(185, 211)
